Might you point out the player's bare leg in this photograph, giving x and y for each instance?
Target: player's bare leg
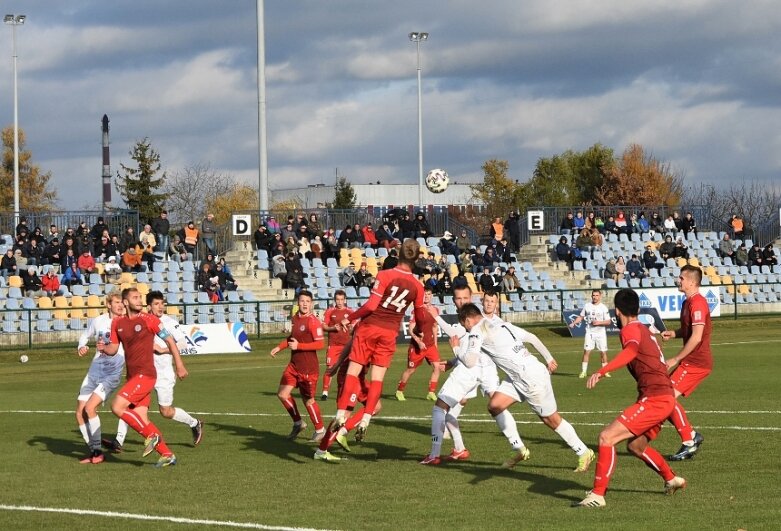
(180, 415)
(584, 364)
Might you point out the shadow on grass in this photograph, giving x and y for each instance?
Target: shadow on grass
(539, 484)
(75, 449)
(271, 443)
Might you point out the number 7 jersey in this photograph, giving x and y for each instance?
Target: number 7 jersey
(395, 290)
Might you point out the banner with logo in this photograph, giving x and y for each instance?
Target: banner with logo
(648, 316)
(214, 338)
(405, 337)
(669, 301)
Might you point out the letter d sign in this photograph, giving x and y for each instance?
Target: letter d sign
(536, 219)
(241, 224)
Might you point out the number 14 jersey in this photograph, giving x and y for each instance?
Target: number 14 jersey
(396, 289)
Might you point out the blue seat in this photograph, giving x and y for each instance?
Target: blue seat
(173, 265)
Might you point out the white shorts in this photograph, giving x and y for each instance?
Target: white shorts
(536, 390)
(97, 383)
(166, 379)
(596, 340)
(465, 383)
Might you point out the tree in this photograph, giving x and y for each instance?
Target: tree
(189, 192)
(35, 192)
(344, 195)
(138, 186)
(241, 197)
(640, 179)
(756, 203)
(497, 192)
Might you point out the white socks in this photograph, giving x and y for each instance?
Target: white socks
(437, 430)
(507, 426)
(94, 430)
(84, 432)
(121, 432)
(568, 434)
(180, 415)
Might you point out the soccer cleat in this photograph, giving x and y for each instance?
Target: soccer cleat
(197, 433)
(112, 444)
(455, 455)
(317, 436)
(687, 451)
(166, 460)
(324, 396)
(585, 460)
(431, 461)
(95, 457)
(297, 429)
(341, 440)
(582, 375)
(607, 375)
(591, 500)
(150, 443)
(325, 455)
(676, 483)
(431, 396)
(516, 457)
(360, 431)
(400, 396)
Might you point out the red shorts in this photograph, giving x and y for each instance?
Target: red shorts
(415, 358)
(687, 377)
(373, 345)
(332, 354)
(138, 390)
(646, 416)
(306, 383)
(363, 393)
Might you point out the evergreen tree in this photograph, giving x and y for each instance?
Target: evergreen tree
(139, 185)
(344, 195)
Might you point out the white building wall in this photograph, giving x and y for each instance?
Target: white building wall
(376, 194)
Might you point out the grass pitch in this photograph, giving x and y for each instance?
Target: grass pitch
(245, 471)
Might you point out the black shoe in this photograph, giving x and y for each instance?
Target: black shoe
(687, 451)
(323, 397)
(112, 444)
(197, 433)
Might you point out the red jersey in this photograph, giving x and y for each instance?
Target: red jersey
(332, 317)
(306, 329)
(426, 327)
(137, 337)
(648, 367)
(393, 292)
(695, 311)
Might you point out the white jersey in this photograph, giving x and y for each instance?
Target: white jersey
(166, 378)
(595, 312)
(99, 328)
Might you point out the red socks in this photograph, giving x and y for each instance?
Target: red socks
(681, 422)
(432, 386)
(656, 462)
(314, 414)
(401, 386)
(606, 464)
(349, 393)
(326, 383)
(134, 421)
(373, 396)
(292, 409)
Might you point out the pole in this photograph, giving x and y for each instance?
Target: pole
(262, 135)
(420, 132)
(16, 131)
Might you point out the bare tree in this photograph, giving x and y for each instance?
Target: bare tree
(191, 189)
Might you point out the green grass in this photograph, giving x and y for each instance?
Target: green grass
(245, 470)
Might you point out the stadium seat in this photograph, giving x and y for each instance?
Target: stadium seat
(173, 266)
(15, 281)
(126, 278)
(187, 266)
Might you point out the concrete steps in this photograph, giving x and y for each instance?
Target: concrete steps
(537, 253)
(243, 264)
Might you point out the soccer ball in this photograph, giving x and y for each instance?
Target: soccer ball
(437, 181)
(23, 358)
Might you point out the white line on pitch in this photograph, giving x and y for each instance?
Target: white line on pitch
(132, 516)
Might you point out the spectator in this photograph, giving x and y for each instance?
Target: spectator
(496, 231)
(348, 239)
(97, 230)
(634, 268)
(262, 238)
(51, 254)
(209, 233)
(225, 266)
(128, 239)
(585, 243)
(112, 270)
(132, 260)
(726, 250)
(597, 239)
(667, 249)
(288, 232)
(580, 222)
(564, 252)
(54, 232)
(291, 245)
(304, 248)
(741, 255)
(313, 226)
(277, 245)
(317, 248)
(611, 227)
(462, 243)
(273, 225)
(295, 278)
(633, 226)
(72, 276)
(22, 226)
(365, 279)
(349, 276)
(620, 267)
(489, 258)
(769, 256)
(755, 255)
(599, 223)
(567, 226)
(101, 249)
(678, 221)
(622, 225)
(208, 282)
(424, 234)
(86, 263)
(736, 223)
(669, 226)
(300, 221)
(649, 259)
(31, 282)
(510, 282)
(391, 261)
(611, 271)
(190, 236)
(448, 246)
(68, 259)
(421, 264)
(487, 281)
(642, 224)
(8, 265)
(688, 224)
(33, 251)
(590, 219)
(681, 249)
(477, 261)
(21, 260)
(420, 226)
(407, 227)
(512, 231)
(656, 224)
(50, 282)
(385, 236)
(370, 237)
(225, 280)
(211, 261)
(278, 268)
(161, 227)
(330, 243)
(302, 232)
(465, 261)
(178, 252)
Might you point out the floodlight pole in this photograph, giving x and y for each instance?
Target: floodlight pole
(13, 21)
(417, 38)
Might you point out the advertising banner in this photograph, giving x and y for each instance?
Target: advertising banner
(668, 301)
(214, 338)
(647, 316)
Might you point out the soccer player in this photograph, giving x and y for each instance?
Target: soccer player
(136, 331)
(462, 384)
(597, 318)
(374, 342)
(303, 371)
(166, 379)
(423, 346)
(527, 379)
(337, 336)
(102, 377)
(694, 361)
(641, 422)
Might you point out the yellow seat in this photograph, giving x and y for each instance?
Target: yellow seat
(94, 306)
(15, 281)
(126, 278)
(344, 261)
(356, 255)
(731, 289)
(370, 262)
(45, 303)
(99, 269)
(744, 289)
(710, 271)
(681, 262)
(61, 305)
(453, 270)
(726, 279)
(172, 310)
(715, 280)
(77, 307)
(143, 288)
(125, 285)
(694, 262)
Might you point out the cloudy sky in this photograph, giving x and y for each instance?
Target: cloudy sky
(697, 82)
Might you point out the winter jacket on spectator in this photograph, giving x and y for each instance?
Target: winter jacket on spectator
(50, 283)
